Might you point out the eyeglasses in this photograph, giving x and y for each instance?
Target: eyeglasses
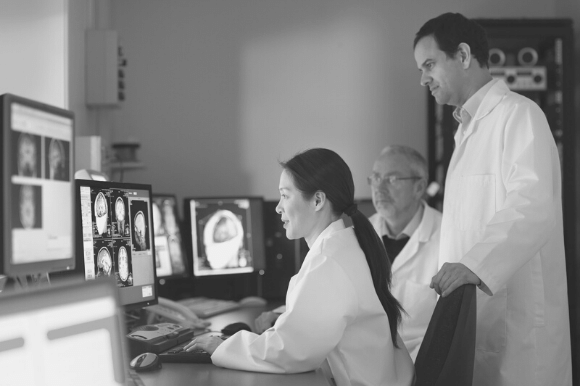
(375, 179)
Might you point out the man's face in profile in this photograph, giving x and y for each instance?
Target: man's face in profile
(442, 74)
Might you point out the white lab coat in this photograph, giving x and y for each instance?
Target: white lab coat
(333, 319)
(502, 218)
(412, 272)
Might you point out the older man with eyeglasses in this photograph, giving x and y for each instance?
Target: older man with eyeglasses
(410, 230)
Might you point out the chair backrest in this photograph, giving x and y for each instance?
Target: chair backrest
(447, 353)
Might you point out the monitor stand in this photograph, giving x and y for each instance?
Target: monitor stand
(23, 283)
(3, 281)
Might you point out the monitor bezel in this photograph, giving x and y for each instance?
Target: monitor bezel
(72, 291)
(185, 258)
(259, 264)
(79, 240)
(7, 267)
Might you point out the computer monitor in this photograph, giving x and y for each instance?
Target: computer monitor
(63, 335)
(225, 234)
(115, 222)
(170, 256)
(36, 177)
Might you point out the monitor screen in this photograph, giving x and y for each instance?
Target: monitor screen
(115, 222)
(63, 335)
(226, 234)
(169, 254)
(36, 211)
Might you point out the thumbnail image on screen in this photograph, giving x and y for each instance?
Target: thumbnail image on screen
(117, 237)
(36, 233)
(222, 235)
(168, 242)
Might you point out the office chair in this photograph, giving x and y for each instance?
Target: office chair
(447, 353)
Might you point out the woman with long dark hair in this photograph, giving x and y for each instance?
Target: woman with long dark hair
(340, 313)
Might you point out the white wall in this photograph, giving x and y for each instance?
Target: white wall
(218, 91)
(34, 44)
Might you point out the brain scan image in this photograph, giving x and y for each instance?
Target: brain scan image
(27, 156)
(140, 231)
(157, 220)
(56, 160)
(27, 206)
(101, 213)
(169, 218)
(175, 254)
(123, 264)
(120, 214)
(104, 262)
(223, 237)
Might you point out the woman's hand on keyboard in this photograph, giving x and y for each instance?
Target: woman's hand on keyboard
(265, 321)
(207, 343)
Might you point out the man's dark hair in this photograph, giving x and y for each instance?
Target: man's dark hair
(451, 29)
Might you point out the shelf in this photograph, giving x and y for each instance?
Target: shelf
(127, 165)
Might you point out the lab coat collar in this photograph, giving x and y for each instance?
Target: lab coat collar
(491, 99)
(329, 230)
(476, 100)
(423, 234)
(480, 105)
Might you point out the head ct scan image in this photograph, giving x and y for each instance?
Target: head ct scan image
(116, 234)
(27, 213)
(170, 257)
(28, 155)
(221, 232)
(57, 159)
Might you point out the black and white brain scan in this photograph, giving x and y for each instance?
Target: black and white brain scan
(140, 226)
(157, 220)
(27, 207)
(175, 254)
(120, 216)
(56, 160)
(104, 262)
(123, 259)
(27, 156)
(223, 237)
(169, 218)
(101, 213)
(120, 209)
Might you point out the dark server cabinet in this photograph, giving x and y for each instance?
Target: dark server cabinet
(283, 257)
(535, 58)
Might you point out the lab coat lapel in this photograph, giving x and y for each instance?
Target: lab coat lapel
(406, 253)
(421, 235)
(495, 95)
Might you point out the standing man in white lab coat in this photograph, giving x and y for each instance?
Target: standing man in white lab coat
(410, 230)
(502, 213)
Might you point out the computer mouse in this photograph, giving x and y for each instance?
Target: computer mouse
(253, 301)
(232, 328)
(145, 362)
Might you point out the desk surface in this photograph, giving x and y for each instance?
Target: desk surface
(193, 374)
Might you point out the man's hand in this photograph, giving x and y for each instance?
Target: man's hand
(265, 321)
(207, 343)
(452, 276)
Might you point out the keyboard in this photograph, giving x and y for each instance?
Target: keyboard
(177, 355)
(205, 307)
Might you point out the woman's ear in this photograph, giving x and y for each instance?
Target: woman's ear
(319, 200)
